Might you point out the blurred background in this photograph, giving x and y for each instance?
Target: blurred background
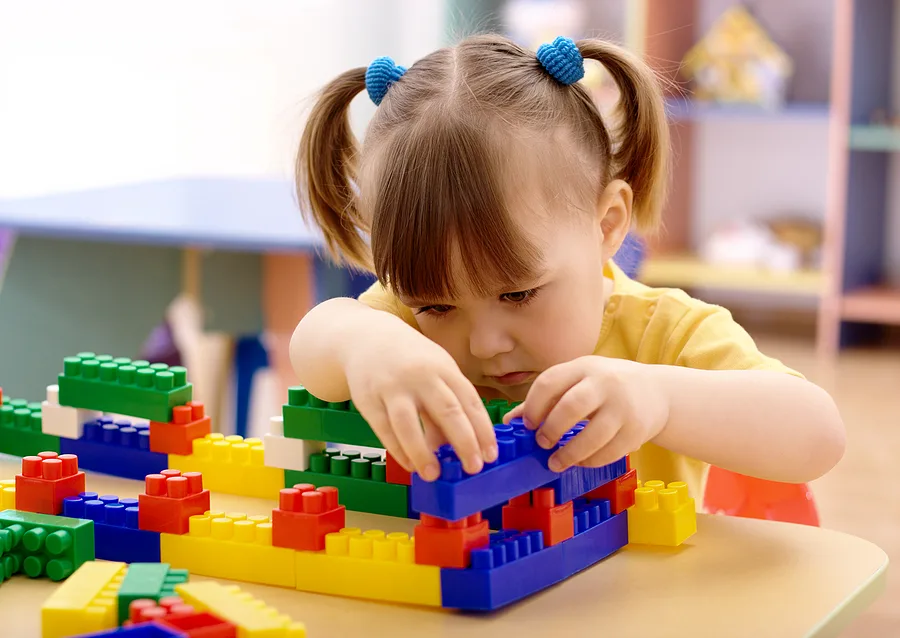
(147, 205)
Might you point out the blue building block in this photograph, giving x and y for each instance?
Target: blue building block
(520, 468)
(116, 533)
(140, 630)
(116, 447)
(494, 515)
(516, 564)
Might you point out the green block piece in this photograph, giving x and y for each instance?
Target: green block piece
(43, 545)
(358, 494)
(20, 429)
(148, 580)
(121, 386)
(497, 409)
(309, 418)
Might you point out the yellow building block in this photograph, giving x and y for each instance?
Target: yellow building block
(85, 602)
(7, 494)
(369, 565)
(231, 465)
(252, 618)
(661, 515)
(232, 546)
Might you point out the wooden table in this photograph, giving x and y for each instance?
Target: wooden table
(735, 577)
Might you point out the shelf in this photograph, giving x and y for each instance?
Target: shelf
(874, 138)
(686, 110)
(877, 304)
(685, 271)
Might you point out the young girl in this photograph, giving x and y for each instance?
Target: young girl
(494, 197)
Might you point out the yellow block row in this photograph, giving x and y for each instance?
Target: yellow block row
(84, 603)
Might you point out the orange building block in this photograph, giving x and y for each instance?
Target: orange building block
(538, 511)
(305, 515)
(189, 422)
(395, 473)
(449, 543)
(748, 497)
(46, 480)
(619, 493)
(169, 501)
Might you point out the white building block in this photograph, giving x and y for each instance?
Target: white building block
(289, 454)
(62, 420)
(276, 425)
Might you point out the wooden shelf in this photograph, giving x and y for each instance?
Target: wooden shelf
(877, 304)
(874, 138)
(687, 271)
(685, 110)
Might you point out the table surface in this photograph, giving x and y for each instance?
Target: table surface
(735, 577)
(257, 215)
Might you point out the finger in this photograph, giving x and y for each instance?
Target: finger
(376, 416)
(447, 413)
(597, 434)
(580, 402)
(514, 413)
(622, 443)
(434, 438)
(477, 415)
(404, 418)
(547, 389)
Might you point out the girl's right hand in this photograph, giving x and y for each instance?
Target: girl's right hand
(415, 398)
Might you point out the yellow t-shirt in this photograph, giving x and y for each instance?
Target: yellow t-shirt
(655, 326)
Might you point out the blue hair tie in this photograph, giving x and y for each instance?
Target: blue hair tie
(382, 72)
(562, 60)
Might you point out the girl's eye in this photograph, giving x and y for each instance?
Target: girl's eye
(521, 297)
(437, 311)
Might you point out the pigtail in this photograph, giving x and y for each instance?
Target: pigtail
(641, 153)
(326, 171)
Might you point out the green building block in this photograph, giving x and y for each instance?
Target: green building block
(20, 429)
(307, 417)
(358, 494)
(122, 386)
(43, 545)
(497, 409)
(148, 580)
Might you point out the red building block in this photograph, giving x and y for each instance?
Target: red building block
(46, 480)
(173, 613)
(449, 543)
(538, 511)
(188, 423)
(619, 493)
(171, 499)
(395, 473)
(305, 515)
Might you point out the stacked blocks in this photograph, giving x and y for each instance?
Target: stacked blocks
(661, 515)
(619, 493)
(371, 565)
(21, 432)
(232, 546)
(169, 501)
(538, 511)
(116, 447)
(305, 515)
(116, 529)
(284, 452)
(189, 422)
(46, 480)
(85, 602)
(309, 418)
(122, 386)
(7, 494)
(43, 545)
(449, 543)
(231, 465)
(62, 420)
(151, 582)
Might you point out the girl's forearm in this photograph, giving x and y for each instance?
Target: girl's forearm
(762, 423)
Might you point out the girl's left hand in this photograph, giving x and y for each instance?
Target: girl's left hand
(620, 399)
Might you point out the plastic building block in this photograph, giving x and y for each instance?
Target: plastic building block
(395, 473)
(199, 625)
(232, 546)
(85, 602)
(497, 409)
(538, 511)
(189, 422)
(47, 479)
(116, 534)
(520, 468)
(449, 543)
(517, 565)
(141, 610)
(369, 565)
(661, 515)
(231, 465)
(64, 421)
(305, 515)
(307, 417)
(7, 494)
(619, 493)
(20, 429)
(287, 453)
(252, 618)
(142, 630)
(170, 499)
(122, 386)
(44, 545)
(359, 494)
(118, 448)
(149, 582)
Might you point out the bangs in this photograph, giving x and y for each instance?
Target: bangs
(441, 207)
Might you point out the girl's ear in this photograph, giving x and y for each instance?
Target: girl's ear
(614, 215)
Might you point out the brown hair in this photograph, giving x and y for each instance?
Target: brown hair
(432, 178)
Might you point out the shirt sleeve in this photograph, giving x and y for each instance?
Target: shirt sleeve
(379, 298)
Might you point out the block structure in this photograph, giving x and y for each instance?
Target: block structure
(117, 536)
(661, 515)
(285, 452)
(46, 480)
(538, 511)
(64, 421)
(120, 448)
(619, 493)
(149, 582)
(305, 515)
(308, 417)
(169, 501)
(449, 543)
(189, 422)
(41, 545)
(21, 432)
(85, 603)
(123, 386)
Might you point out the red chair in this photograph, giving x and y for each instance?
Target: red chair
(739, 495)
